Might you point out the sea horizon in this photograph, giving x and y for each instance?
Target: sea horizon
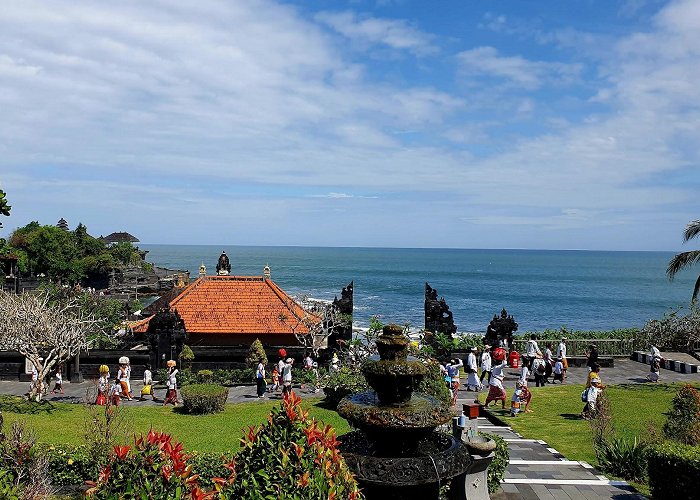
(543, 289)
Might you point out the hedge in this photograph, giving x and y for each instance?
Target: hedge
(202, 399)
(674, 470)
(497, 468)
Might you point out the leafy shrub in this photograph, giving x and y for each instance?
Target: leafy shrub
(70, 465)
(433, 384)
(304, 376)
(186, 356)
(256, 354)
(289, 457)
(22, 468)
(205, 376)
(155, 467)
(683, 423)
(347, 380)
(202, 399)
(625, 458)
(208, 465)
(674, 469)
(497, 468)
(8, 490)
(676, 331)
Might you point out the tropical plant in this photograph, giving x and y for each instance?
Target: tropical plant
(154, 467)
(676, 331)
(4, 207)
(683, 422)
(684, 260)
(186, 356)
(202, 399)
(21, 469)
(290, 457)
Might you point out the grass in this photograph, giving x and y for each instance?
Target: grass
(64, 423)
(555, 418)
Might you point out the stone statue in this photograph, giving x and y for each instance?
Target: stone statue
(223, 267)
(438, 317)
(343, 306)
(500, 330)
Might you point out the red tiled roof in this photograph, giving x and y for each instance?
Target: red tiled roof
(236, 304)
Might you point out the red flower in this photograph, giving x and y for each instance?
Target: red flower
(121, 451)
(167, 472)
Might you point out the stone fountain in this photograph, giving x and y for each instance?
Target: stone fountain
(396, 453)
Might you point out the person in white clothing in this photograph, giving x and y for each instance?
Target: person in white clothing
(561, 353)
(532, 350)
(287, 376)
(452, 372)
(590, 410)
(496, 390)
(524, 374)
(558, 371)
(485, 364)
(472, 371)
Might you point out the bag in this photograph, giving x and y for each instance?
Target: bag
(584, 396)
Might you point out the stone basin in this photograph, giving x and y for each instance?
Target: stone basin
(480, 445)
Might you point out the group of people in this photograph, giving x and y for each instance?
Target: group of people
(121, 387)
(281, 376)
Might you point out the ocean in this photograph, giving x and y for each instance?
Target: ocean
(582, 290)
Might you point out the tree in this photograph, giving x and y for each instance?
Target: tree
(686, 259)
(4, 207)
(46, 334)
(317, 321)
(256, 354)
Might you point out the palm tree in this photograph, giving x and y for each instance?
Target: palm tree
(686, 259)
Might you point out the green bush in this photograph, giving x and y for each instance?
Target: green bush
(70, 465)
(256, 354)
(154, 467)
(345, 381)
(683, 422)
(290, 457)
(186, 357)
(434, 385)
(205, 376)
(8, 490)
(497, 468)
(202, 399)
(208, 465)
(674, 469)
(625, 458)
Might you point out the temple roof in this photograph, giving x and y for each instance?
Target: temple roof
(236, 305)
(119, 238)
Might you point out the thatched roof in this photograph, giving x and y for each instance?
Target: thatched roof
(119, 238)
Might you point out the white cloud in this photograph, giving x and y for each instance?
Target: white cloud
(394, 33)
(487, 62)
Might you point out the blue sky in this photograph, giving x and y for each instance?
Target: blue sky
(471, 124)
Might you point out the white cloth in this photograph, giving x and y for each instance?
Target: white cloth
(287, 373)
(103, 383)
(172, 379)
(260, 371)
(548, 356)
(536, 365)
(532, 349)
(486, 362)
(497, 375)
(147, 377)
(280, 366)
(561, 350)
(592, 395)
(655, 352)
(453, 371)
(308, 362)
(59, 378)
(558, 367)
(524, 374)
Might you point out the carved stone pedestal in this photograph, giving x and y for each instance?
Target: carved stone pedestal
(474, 484)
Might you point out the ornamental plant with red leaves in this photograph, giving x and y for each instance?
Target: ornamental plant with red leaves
(154, 468)
(290, 457)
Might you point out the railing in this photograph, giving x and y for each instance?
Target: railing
(578, 347)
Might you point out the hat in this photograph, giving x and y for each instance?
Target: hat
(171, 363)
(103, 369)
(123, 360)
(473, 348)
(595, 380)
(282, 353)
(486, 346)
(564, 338)
(289, 360)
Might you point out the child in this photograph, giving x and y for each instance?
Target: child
(538, 367)
(485, 364)
(516, 399)
(317, 377)
(147, 384)
(558, 371)
(58, 386)
(591, 396)
(655, 368)
(275, 380)
(115, 394)
(102, 386)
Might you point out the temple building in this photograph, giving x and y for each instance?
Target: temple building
(226, 310)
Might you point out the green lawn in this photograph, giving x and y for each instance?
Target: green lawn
(65, 423)
(635, 407)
